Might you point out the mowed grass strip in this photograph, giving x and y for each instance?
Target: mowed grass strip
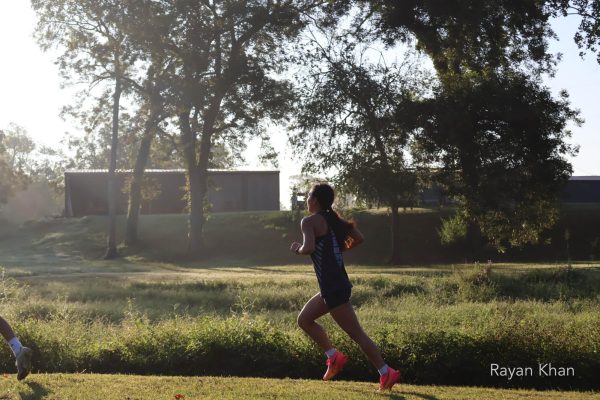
(132, 387)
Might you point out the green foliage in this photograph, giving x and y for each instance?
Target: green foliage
(33, 164)
(501, 141)
(9, 179)
(92, 148)
(23, 163)
(453, 229)
(90, 37)
(464, 36)
(224, 78)
(500, 135)
(588, 31)
(10, 289)
(356, 118)
(150, 187)
(93, 48)
(18, 148)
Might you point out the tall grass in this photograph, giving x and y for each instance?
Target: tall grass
(439, 326)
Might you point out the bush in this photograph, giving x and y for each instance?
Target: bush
(256, 347)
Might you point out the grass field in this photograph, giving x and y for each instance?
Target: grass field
(127, 387)
(442, 324)
(262, 238)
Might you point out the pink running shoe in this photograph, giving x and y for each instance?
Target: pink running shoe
(388, 380)
(335, 365)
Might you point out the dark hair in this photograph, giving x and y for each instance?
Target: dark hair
(341, 227)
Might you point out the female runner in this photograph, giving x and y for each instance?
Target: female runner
(325, 236)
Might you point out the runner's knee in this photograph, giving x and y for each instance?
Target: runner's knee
(303, 322)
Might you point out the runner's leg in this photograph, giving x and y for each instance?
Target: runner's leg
(312, 310)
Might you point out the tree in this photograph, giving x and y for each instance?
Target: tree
(49, 165)
(225, 81)
(587, 36)
(91, 148)
(357, 118)
(24, 163)
(501, 47)
(499, 140)
(10, 180)
(18, 149)
(95, 49)
(462, 36)
(154, 110)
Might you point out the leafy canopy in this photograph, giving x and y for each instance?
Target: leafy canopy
(500, 142)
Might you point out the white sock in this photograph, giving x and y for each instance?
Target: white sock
(15, 345)
(383, 370)
(330, 353)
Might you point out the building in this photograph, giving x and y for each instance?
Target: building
(579, 189)
(164, 191)
(582, 189)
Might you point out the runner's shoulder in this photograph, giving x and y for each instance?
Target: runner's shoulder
(312, 220)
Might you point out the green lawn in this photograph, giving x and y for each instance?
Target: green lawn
(441, 324)
(132, 387)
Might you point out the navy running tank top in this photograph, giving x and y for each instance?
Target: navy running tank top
(329, 263)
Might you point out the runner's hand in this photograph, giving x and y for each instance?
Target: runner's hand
(295, 246)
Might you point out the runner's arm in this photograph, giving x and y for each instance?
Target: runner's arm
(308, 236)
(355, 237)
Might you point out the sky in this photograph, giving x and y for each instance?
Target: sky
(31, 96)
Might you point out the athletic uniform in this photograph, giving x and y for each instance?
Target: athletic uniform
(329, 266)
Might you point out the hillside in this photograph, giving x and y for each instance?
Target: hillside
(250, 238)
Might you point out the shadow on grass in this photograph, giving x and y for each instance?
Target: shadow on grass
(400, 395)
(419, 395)
(38, 392)
(549, 284)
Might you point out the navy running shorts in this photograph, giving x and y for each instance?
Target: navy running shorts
(337, 298)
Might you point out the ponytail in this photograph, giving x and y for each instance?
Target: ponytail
(341, 227)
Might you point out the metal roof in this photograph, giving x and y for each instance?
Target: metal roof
(167, 171)
(585, 178)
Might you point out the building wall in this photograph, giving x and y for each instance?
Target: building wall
(85, 192)
(579, 189)
(262, 192)
(226, 192)
(582, 191)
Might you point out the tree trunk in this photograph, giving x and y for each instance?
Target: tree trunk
(195, 223)
(155, 105)
(474, 241)
(188, 138)
(202, 173)
(395, 258)
(208, 126)
(198, 171)
(111, 247)
(135, 188)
